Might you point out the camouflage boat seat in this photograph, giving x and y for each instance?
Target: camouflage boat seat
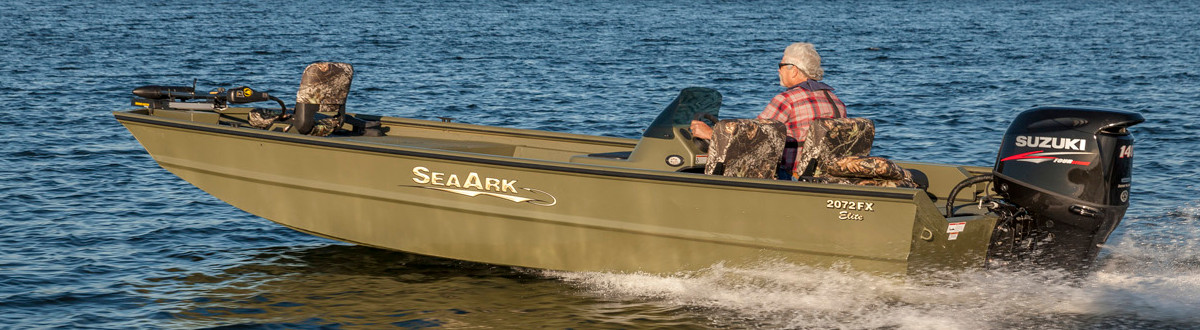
(868, 171)
(831, 138)
(836, 151)
(748, 148)
(324, 87)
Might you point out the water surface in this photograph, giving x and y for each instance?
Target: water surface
(96, 235)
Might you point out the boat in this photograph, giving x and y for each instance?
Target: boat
(561, 201)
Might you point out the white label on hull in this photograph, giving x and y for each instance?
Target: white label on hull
(849, 206)
(472, 181)
(954, 228)
(473, 184)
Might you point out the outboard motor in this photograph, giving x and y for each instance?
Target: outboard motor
(1065, 174)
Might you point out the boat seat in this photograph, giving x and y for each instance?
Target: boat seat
(868, 171)
(320, 105)
(836, 150)
(323, 88)
(746, 148)
(832, 138)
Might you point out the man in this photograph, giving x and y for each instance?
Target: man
(805, 99)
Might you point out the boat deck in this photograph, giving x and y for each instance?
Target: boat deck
(479, 147)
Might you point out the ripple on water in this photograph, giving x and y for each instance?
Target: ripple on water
(97, 235)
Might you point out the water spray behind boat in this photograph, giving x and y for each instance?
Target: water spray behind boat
(1062, 178)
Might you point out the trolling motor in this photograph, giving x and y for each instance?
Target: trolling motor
(320, 103)
(1063, 177)
(173, 97)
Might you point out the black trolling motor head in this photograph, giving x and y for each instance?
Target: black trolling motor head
(156, 92)
(165, 97)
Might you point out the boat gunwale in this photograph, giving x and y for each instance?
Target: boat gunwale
(517, 132)
(459, 156)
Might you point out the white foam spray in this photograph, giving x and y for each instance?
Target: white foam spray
(1144, 280)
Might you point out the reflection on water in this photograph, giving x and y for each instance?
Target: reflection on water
(352, 286)
(96, 235)
(359, 287)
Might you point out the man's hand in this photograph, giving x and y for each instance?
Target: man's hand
(700, 130)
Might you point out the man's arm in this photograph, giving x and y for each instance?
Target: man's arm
(700, 130)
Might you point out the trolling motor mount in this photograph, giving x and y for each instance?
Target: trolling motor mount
(173, 97)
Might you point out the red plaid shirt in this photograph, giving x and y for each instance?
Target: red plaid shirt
(800, 104)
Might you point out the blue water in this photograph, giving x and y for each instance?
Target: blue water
(96, 235)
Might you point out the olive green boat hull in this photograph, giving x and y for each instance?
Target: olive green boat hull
(534, 199)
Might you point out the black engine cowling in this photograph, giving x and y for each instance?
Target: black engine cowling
(1070, 170)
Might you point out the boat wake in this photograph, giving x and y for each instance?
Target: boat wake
(1141, 282)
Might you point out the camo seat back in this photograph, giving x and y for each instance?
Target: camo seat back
(836, 151)
(324, 87)
(831, 138)
(747, 148)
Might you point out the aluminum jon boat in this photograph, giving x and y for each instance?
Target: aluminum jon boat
(560, 201)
